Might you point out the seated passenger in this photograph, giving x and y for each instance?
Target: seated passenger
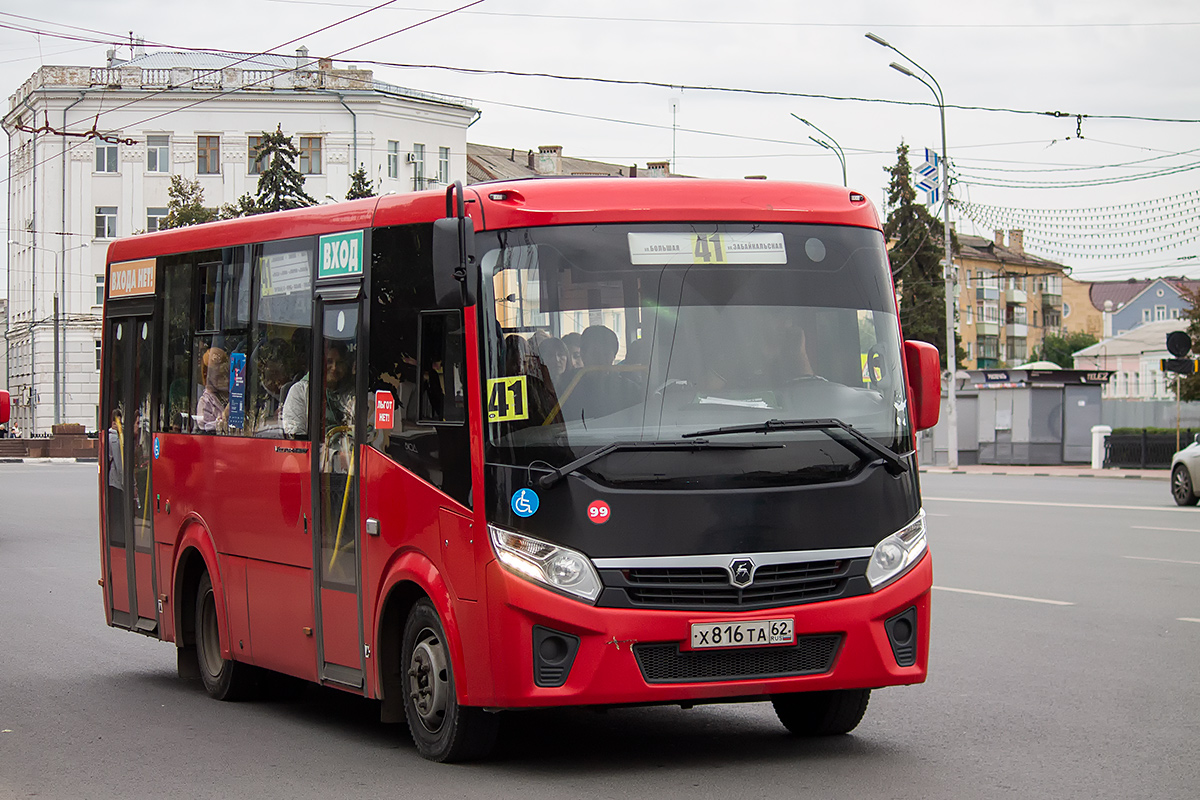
(212, 412)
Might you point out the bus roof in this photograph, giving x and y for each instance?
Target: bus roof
(532, 202)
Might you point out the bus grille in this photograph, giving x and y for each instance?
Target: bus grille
(709, 587)
(666, 663)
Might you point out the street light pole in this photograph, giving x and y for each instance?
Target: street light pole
(828, 145)
(951, 345)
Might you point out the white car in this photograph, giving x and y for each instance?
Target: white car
(1185, 467)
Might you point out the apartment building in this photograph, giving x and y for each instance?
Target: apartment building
(1008, 300)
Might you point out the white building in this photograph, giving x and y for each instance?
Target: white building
(1135, 357)
(91, 154)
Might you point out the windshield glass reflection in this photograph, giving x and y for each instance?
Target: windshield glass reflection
(602, 334)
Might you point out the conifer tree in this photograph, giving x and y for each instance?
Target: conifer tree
(916, 256)
(280, 186)
(185, 204)
(360, 186)
(1189, 386)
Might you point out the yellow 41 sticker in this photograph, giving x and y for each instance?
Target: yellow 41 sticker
(508, 399)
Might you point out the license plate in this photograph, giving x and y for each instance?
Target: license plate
(745, 633)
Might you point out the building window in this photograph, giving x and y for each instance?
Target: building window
(97, 355)
(254, 155)
(443, 165)
(154, 218)
(1145, 315)
(208, 155)
(418, 166)
(158, 153)
(99, 290)
(106, 222)
(1174, 313)
(310, 155)
(967, 315)
(1160, 313)
(393, 158)
(106, 157)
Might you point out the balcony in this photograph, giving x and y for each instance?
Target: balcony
(987, 329)
(1016, 297)
(1018, 330)
(1051, 300)
(987, 293)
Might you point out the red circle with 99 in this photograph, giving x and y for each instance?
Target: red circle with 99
(598, 512)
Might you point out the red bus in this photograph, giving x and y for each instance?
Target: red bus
(525, 444)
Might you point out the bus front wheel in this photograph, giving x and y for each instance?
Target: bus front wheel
(822, 713)
(223, 678)
(441, 728)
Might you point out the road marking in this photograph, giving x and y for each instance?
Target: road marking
(1168, 560)
(1058, 505)
(1006, 596)
(1187, 619)
(1150, 528)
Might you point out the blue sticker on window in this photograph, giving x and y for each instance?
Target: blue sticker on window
(525, 502)
(157, 447)
(237, 390)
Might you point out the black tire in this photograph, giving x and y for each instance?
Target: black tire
(1181, 486)
(442, 729)
(822, 713)
(224, 679)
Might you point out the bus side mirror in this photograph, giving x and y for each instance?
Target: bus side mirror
(455, 270)
(925, 382)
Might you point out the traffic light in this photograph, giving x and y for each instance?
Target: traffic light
(1184, 366)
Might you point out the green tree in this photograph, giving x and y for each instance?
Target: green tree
(1059, 348)
(360, 186)
(280, 186)
(245, 206)
(1189, 387)
(916, 257)
(185, 204)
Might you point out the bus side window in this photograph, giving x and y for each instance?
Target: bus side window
(278, 394)
(418, 356)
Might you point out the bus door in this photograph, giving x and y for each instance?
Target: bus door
(129, 534)
(335, 494)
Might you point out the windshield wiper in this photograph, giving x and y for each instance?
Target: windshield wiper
(861, 445)
(546, 481)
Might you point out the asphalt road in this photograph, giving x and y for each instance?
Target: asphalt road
(1065, 663)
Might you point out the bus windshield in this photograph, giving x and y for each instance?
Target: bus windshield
(651, 333)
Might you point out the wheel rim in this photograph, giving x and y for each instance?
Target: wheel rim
(429, 680)
(208, 638)
(1181, 484)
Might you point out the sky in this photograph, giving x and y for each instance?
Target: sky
(1108, 188)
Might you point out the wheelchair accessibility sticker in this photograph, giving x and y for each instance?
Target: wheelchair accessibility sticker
(157, 447)
(525, 502)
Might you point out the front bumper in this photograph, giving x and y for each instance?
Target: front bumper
(606, 671)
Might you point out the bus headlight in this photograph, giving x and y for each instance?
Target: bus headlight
(896, 554)
(557, 567)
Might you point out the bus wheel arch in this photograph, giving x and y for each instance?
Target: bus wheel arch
(396, 608)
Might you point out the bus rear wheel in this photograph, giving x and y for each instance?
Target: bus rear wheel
(224, 679)
(822, 713)
(441, 728)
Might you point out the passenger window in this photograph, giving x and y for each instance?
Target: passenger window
(282, 341)
(222, 323)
